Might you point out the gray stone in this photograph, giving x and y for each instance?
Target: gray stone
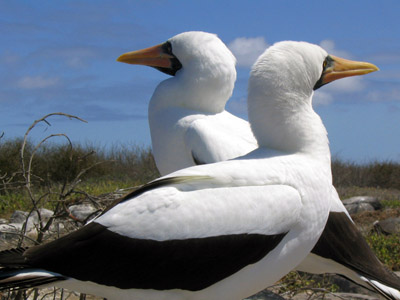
(8, 228)
(18, 218)
(82, 211)
(335, 296)
(388, 226)
(348, 286)
(265, 295)
(9, 232)
(343, 285)
(351, 296)
(359, 207)
(373, 201)
(361, 203)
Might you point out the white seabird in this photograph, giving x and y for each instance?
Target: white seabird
(216, 231)
(185, 109)
(205, 133)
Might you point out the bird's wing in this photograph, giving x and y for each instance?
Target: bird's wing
(343, 243)
(184, 236)
(217, 139)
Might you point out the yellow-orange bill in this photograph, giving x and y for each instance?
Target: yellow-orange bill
(344, 68)
(153, 57)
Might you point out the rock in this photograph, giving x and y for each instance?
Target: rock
(359, 207)
(364, 199)
(5, 228)
(343, 284)
(388, 226)
(347, 286)
(265, 295)
(336, 296)
(361, 203)
(9, 234)
(19, 217)
(82, 211)
(350, 296)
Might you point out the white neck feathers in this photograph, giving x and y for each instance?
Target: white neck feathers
(279, 103)
(206, 80)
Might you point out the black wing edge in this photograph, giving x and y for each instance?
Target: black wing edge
(12, 263)
(190, 264)
(359, 258)
(12, 258)
(9, 281)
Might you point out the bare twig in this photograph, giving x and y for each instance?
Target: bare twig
(37, 147)
(43, 119)
(19, 234)
(26, 172)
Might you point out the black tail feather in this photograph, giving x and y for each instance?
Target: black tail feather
(26, 284)
(15, 272)
(13, 258)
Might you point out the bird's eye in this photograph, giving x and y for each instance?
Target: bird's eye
(168, 47)
(324, 64)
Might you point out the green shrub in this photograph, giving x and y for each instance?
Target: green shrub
(298, 282)
(390, 203)
(56, 168)
(387, 248)
(60, 163)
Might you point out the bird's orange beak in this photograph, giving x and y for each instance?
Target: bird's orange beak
(341, 68)
(153, 57)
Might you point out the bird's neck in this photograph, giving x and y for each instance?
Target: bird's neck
(280, 122)
(207, 94)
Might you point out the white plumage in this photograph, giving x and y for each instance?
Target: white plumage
(211, 231)
(202, 132)
(185, 109)
(206, 232)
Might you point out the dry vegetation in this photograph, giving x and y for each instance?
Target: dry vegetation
(56, 175)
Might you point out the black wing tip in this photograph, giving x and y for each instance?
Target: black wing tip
(27, 284)
(12, 257)
(386, 294)
(12, 263)
(357, 256)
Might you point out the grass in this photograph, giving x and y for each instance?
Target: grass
(64, 174)
(297, 282)
(375, 174)
(390, 203)
(387, 248)
(12, 202)
(19, 200)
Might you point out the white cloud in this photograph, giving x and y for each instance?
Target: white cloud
(74, 57)
(78, 57)
(386, 95)
(36, 82)
(330, 47)
(247, 50)
(345, 85)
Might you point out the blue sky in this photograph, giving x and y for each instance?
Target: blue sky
(61, 56)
